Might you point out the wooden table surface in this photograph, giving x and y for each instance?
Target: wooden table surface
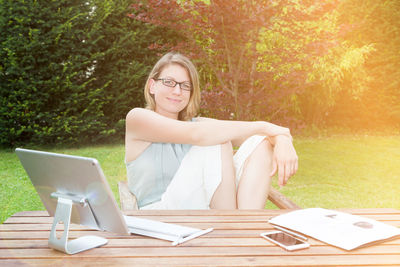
(234, 242)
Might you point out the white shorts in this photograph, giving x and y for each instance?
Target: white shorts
(199, 175)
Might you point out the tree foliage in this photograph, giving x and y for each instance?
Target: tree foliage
(44, 72)
(283, 60)
(221, 37)
(69, 70)
(376, 24)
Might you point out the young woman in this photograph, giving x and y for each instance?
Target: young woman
(175, 160)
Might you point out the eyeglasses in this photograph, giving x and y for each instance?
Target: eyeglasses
(186, 86)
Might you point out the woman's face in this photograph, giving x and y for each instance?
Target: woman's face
(170, 100)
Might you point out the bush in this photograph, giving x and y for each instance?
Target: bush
(45, 73)
(70, 70)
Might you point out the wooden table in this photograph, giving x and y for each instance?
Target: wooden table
(234, 242)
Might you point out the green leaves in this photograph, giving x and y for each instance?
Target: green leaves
(70, 70)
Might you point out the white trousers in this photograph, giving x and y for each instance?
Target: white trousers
(199, 175)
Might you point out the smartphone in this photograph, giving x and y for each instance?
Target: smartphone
(285, 240)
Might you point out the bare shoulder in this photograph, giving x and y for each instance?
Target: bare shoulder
(136, 113)
(137, 118)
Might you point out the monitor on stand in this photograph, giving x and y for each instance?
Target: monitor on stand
(74, 190)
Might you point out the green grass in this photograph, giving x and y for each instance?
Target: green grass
(334, 172)
(347, 172)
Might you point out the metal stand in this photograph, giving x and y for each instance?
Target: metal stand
(63, 215)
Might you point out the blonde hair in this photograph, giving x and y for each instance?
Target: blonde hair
(176, 58)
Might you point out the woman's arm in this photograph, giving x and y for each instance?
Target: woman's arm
(147, 125)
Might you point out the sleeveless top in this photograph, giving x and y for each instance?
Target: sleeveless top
(150, 173)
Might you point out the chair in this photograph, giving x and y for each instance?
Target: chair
(128, 199)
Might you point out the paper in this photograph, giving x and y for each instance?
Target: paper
(161, 230)
(339, 229)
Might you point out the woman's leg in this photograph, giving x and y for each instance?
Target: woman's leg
(255, 180)
(225, 195)
(195, 182)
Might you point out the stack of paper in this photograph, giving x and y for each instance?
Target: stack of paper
(167, 231)
(336, 228)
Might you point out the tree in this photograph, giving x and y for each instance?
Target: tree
(70, 70)
(376, 24)
(314, 59)
(218, 35)
(45, 73)
(262, 59)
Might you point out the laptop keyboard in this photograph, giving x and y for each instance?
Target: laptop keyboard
(158, 227)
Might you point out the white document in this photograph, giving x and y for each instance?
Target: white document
(336, 228)
(161, 230)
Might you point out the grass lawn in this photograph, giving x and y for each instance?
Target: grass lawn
(334, 172)
(347, 172)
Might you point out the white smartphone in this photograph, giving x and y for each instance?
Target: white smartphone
(285, 240)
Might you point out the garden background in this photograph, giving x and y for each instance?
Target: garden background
(70, 70)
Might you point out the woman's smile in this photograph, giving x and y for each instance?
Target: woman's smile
(174, 100)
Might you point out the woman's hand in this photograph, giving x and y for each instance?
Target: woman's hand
(285, 160)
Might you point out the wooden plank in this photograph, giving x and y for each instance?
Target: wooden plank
(386, 218)
(168, 219)
(147, 242)
(219, 212)
(248, 212)
(238, 213)
(217, 226)
(258, 218)
(266, 260)
(138, 241)
(31, 235)
(209, 251)
(38, 227)
(31, 213)
(73, 234)
(215, 238)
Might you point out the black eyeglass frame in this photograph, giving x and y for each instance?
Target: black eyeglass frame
(174, 83)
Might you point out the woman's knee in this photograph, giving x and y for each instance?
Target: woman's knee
(264, 148)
